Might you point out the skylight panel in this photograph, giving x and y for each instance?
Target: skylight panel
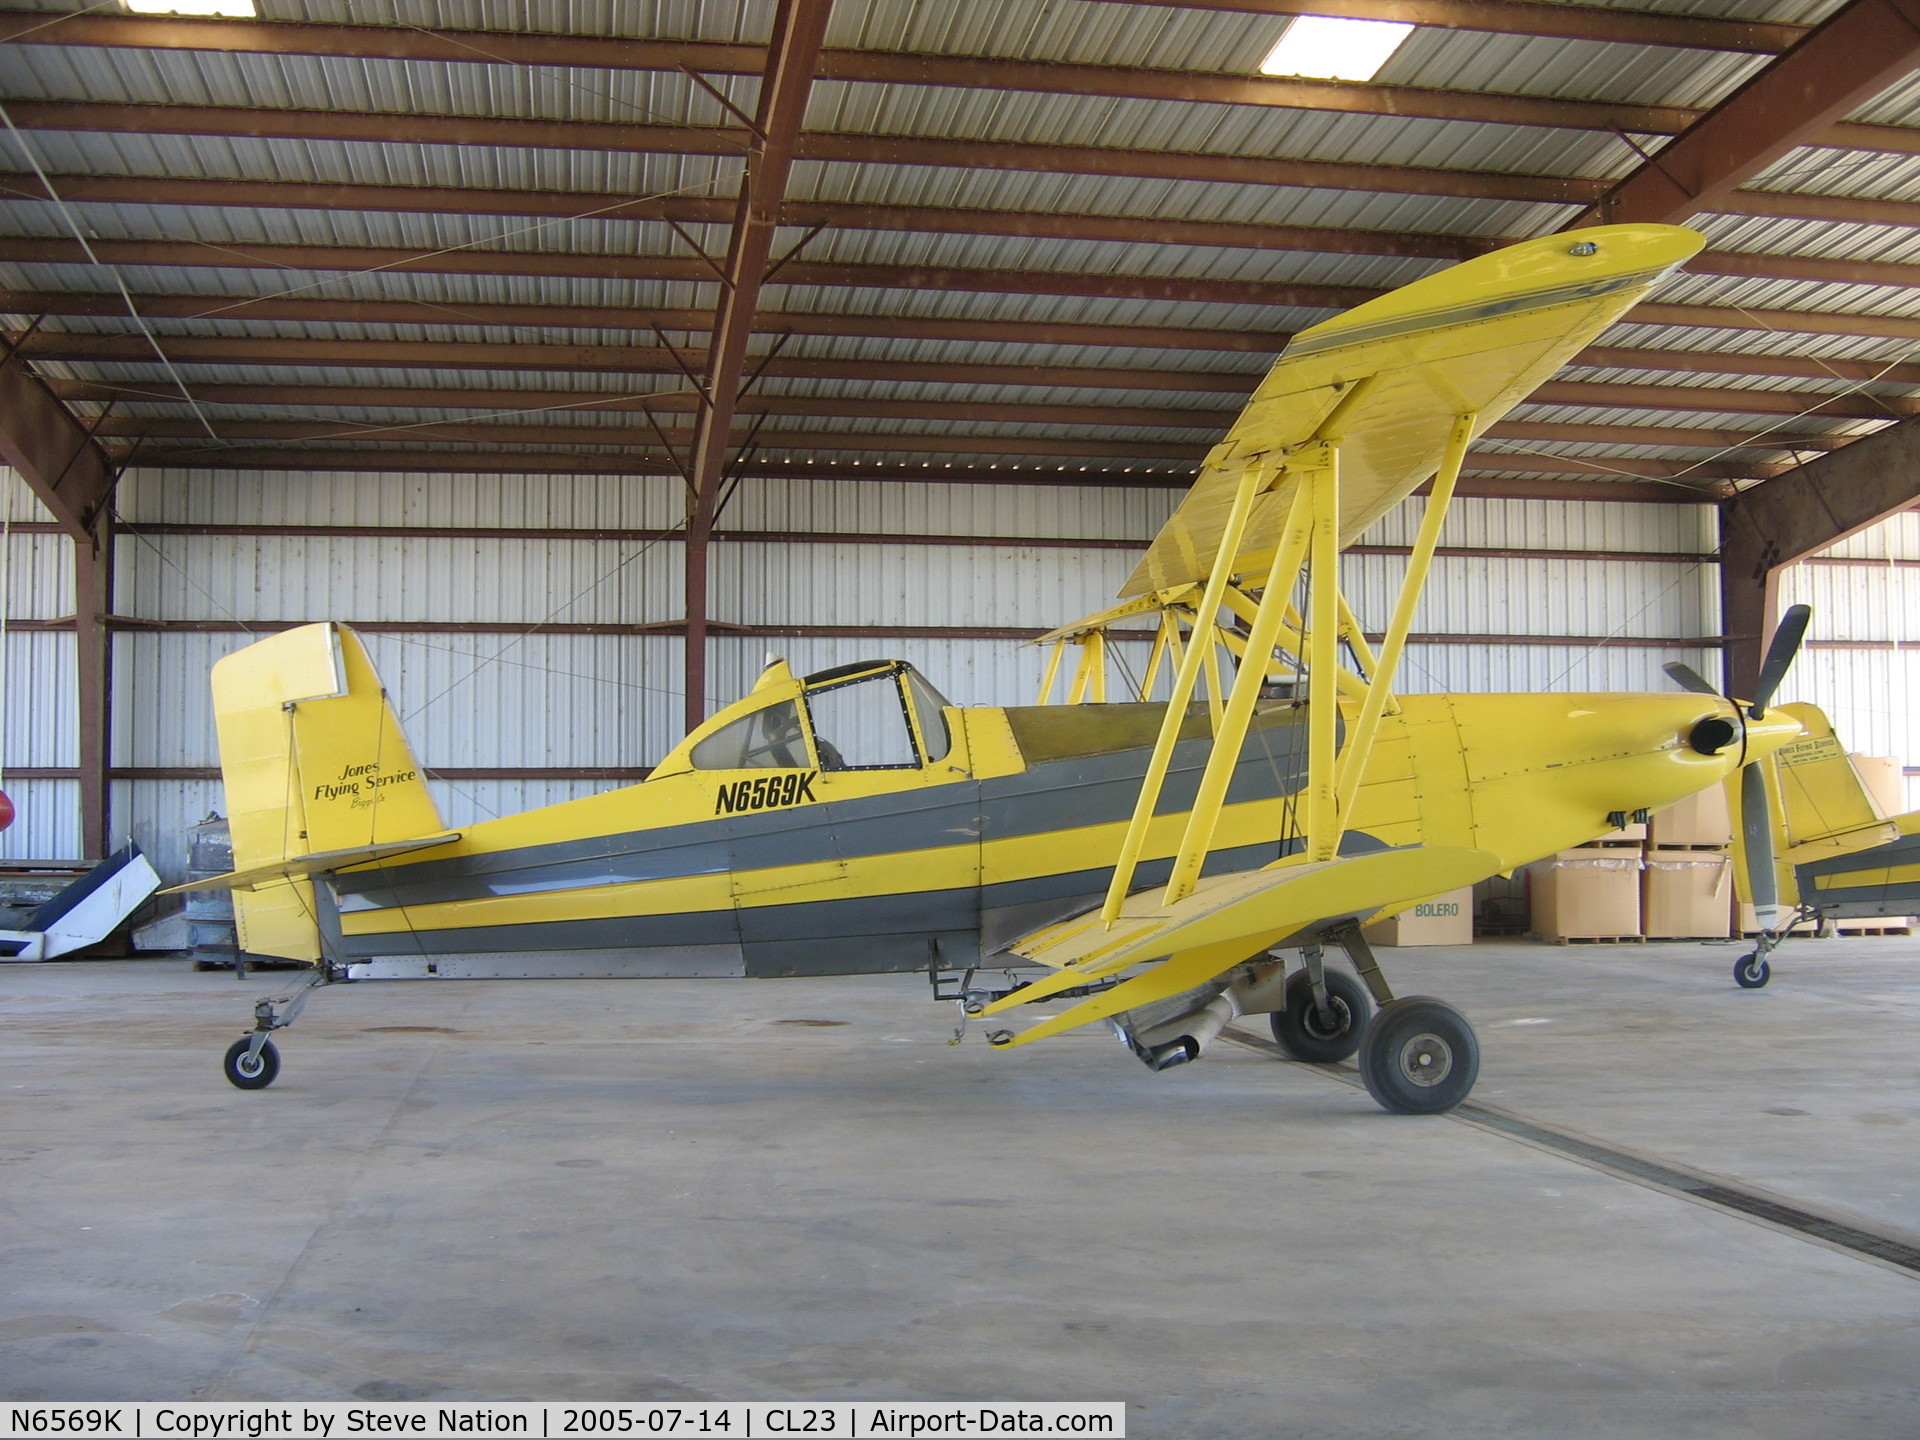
(235, 9)
(1319, 47)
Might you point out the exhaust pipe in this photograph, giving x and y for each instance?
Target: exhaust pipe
(1181, 1041)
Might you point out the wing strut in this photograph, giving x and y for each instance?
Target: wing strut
(1205, 814)
(1252, 480)
(1323, 641)
(1353, 761)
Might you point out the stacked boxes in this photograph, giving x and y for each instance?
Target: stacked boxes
(1687, 886)
(1592, 892)
(1444, 920)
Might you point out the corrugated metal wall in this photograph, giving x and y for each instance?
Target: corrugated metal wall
(556, 701)
(1862, 661)
(37, 726)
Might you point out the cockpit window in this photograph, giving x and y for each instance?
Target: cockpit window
(928, 703)
(769, 739)
(862, 725)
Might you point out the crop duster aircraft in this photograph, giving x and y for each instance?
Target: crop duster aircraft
(1155, 859)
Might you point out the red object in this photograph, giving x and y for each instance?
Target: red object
(6, 810)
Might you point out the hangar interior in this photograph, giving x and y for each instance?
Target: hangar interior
(402, 314)
(582, 354)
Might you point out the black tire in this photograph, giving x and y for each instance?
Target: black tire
(1419, 1056)
(1301, 1032)
(265, 1070)
(1750, 972)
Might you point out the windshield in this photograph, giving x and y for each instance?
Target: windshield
(767, 739)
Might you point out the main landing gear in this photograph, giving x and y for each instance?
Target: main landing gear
(1418, 1056)
(252, 1062)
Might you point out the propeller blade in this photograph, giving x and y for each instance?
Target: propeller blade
(1688, 678)
(1785, 645)
(1756, 834)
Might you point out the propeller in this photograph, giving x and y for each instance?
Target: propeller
(1756, 819)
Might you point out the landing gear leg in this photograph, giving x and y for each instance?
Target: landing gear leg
(252, 1062)
(1360, 953)
(1419, 1056)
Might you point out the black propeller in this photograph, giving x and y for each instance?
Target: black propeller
(1688, 678)
(1756, 818)
(1780, 652)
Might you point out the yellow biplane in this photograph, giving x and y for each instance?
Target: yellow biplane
(1156, 859)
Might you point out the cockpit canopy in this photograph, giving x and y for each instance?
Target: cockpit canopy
(871, 715)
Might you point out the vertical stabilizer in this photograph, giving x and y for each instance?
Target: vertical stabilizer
(313, 760)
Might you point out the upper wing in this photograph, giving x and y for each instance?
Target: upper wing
(1476, 338)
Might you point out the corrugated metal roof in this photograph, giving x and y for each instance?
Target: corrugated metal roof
(1066, 32)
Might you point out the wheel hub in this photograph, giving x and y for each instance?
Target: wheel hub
(1329, 1025)
(1426, 1060)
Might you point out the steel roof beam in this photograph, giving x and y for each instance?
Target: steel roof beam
(380, 127)
(478, 462)
(53, 452)
(1852, 57)
(891, 327)
(1505, 17)
(522, 403)
(450, 355)
(639, 448)
(1171, 289)
(684, 210)
(876, 67)
(1125, 229)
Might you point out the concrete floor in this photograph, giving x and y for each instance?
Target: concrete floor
(662, 1189)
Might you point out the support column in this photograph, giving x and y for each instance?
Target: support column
(92, 604)
(1749, 599)
(1797, 514)
(699, 543)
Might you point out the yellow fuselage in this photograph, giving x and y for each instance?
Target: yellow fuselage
(775, 869)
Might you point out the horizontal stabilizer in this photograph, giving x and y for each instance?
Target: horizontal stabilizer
(1231, 917)
(320, 862)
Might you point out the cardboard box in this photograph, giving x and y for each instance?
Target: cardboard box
(1697, 820)
(1684, 894)
(1587, 894)
(1444, 920)
(1885, 780)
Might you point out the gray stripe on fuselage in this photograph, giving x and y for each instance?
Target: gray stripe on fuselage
(1870, 899)
(861, 930)
(1057, 795)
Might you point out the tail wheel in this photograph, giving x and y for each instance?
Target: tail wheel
(1419, 1056)
(255, 1073)
(1750, 972)
(1305, 1034)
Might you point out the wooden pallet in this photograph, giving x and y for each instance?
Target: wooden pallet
(1595, 940)
(1848, 930)
(1684, 939)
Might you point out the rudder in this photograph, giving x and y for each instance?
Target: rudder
(313, 760)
